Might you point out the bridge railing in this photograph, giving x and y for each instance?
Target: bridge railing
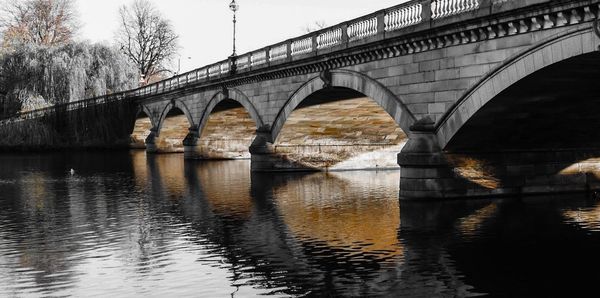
(344, 34)
(386, 23)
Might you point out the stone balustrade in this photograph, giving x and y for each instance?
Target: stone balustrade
(329, 38)
(242, 62)
(444, 8)
(258, 58)
(403, 17)
(214, 70)
(278, 52)
(302, 46)
(224, 67)
(362, 29)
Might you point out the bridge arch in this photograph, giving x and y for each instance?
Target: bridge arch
(142, 109)
(179, 105)
(234, 95)
(351, 80)
(548, 52)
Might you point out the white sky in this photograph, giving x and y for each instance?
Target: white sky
(205, 27)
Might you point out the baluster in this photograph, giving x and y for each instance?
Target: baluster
(386, 20)
(418, 12)
(400, 19)
(404, 17)
(443, 8)
(365, 27)
(359, 30)
(442, 4)
(453, 6)
(373, 26)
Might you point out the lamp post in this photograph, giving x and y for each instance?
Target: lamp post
(234, 7)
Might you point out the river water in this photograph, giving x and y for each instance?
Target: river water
(130, 225)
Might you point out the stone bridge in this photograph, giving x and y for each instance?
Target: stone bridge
(496, 96)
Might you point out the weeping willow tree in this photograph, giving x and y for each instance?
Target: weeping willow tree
(34, 76)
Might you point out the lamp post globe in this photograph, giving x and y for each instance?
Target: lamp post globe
(233, 6)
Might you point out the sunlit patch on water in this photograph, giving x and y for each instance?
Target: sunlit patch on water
(585, 218)
(474, 170)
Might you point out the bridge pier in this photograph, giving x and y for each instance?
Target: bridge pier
(264, 157)
(424, 170)
(262, 153)
(428, 172)
(150, 141)
(190, 144)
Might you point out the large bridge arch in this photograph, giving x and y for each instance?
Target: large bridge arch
(142, 109)
(179, 105)
(548, 52)
(234, 95)
(351, 80)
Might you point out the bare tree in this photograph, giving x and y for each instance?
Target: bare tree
(318, 25)
(147, 38)
(41, 22)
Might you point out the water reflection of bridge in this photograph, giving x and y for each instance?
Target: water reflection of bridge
(296, 233)
(314, 232)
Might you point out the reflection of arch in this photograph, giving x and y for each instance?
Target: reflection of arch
(175, 104)
(351, 80)
(550, 51)
(235, 95)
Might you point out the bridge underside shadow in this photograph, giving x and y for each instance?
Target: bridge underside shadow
(540, 135)
(556, 108)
